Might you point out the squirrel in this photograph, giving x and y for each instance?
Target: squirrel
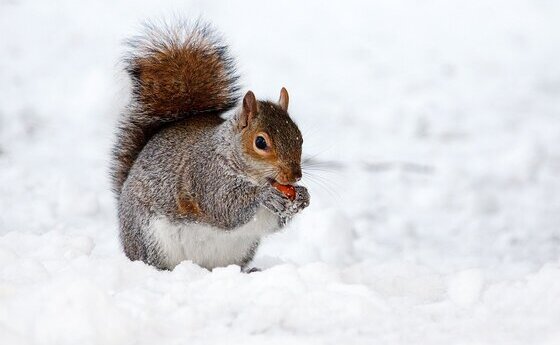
(194, 166)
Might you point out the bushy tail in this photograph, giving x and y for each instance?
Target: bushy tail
(177, 71)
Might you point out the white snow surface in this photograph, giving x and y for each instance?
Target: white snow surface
(435, 214)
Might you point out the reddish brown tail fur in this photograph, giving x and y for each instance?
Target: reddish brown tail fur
(176, 71)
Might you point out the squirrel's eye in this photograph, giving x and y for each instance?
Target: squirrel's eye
(260, 143)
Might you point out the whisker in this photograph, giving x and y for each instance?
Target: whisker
(325, 184)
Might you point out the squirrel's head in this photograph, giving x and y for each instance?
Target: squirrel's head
(271, 141)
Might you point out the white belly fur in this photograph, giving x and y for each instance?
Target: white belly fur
(206, 245)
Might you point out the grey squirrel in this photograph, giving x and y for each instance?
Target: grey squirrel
(193, 172)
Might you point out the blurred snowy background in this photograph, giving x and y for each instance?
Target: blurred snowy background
(435, 215)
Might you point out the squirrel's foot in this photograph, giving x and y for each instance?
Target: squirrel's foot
(251, 270)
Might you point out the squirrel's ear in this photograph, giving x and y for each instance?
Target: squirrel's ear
(249, 109)
(284, 99)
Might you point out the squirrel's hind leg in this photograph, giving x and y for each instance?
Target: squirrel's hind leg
(134, 222)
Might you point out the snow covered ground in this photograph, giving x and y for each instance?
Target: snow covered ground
(435, 216)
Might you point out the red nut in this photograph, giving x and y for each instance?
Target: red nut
(288, 190)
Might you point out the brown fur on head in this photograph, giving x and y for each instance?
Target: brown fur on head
(271, 141)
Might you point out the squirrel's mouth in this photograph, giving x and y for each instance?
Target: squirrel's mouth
(287, 189)
(280, 182)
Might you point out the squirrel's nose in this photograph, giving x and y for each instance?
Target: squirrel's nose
(296, 173)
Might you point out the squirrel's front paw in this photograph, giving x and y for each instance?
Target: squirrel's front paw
(302, 198)
(282, 206)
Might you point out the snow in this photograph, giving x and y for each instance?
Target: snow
(435, 215)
